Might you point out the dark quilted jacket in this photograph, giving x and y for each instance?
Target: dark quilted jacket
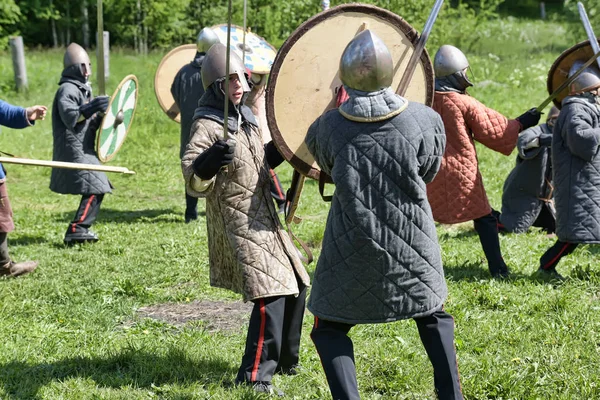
(575, 145)
(187, 89)
(457, 193)
(75, 142)
(380, 259)
(529, 181)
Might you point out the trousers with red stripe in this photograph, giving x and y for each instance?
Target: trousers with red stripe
(553, 255)
(273, 339)
(86, 214)
(336, 351)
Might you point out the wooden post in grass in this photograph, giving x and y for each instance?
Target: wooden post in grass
(18, 58)
(543, 10)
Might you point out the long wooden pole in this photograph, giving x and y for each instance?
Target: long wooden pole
(100, 49)
(67, 165)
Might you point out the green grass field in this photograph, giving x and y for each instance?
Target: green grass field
(72, 329)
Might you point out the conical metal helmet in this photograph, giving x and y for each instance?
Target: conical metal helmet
(206, 38)
(366, 63)
(449, 60)
(588, 80)
(76, 55)
(553, 113)
(214, 66)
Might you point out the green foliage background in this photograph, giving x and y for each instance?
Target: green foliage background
(173, 22)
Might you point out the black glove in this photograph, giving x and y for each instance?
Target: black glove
(529, 118)
(274, 158)
(99, 103)
(95, 123)
(210, 161)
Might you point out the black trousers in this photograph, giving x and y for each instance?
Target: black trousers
(336, 351)
(86, 214)
(552, 256)
(545, 220)
(273, 340)
(487, 229)
(191, 208)
(4, 256)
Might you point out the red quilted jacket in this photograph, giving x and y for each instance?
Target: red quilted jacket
(457, 193)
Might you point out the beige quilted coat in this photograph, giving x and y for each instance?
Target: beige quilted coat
(457, 193)
(249, 252)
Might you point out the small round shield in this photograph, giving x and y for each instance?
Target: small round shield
(559, 71)
(259, 54)
(118, 118)
(165, 75)
(304, 78)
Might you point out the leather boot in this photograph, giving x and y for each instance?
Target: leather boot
(13, 269)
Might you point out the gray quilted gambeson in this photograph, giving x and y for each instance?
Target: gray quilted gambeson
(380, 259)
(74, 141)
(526, 184)
(575, 145)
(187, 89)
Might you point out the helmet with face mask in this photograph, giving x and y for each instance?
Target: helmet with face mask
(214, 67)
(206, 38)
(552, 116)
(77, 60)
(587, 81)
(450, 64)
(366, 63)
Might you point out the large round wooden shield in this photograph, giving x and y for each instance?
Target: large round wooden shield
(118, 119)
(559, 72)
(259, 54)
(304, 77)
(165, 75)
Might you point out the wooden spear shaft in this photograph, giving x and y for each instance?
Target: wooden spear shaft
(67, 165)
(100, 50)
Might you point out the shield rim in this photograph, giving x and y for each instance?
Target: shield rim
(554, 71)
(261, 72)
(411, 34)
(158, 98)
(112, 99)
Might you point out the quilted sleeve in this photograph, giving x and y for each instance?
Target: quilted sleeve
(579, 136)
(13, 116)
(175, 88)
(317, 140)
(201, 140)
(491, 128)
(431, 150)
(68, 105)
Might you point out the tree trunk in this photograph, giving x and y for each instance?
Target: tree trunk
(85, 24)
(68, 22)
(53, 27)
(138, 27)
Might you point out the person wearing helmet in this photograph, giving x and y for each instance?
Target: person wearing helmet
(249, 252)
(457, 193)
(16, 118)
(575, 146)
(527, 193)
(381, 259)
(187, 89)
(76, 116)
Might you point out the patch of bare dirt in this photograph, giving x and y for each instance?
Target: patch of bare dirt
(217, 315)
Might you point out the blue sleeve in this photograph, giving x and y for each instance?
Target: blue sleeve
(13, 116)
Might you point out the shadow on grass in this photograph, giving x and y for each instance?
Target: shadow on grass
(22, 381)
(25, 240)
(126, 216)
(473, 272)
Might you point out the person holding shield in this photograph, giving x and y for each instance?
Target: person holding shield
(16, 118)
(457, 193)
(249, 252)
(76, 116)
(575, 148)
(381, 260)
(187, 89)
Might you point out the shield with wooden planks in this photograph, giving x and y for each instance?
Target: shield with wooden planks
(258, 54)
(165, 75)
(118, 119)
(559, 71)
(304, 78)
